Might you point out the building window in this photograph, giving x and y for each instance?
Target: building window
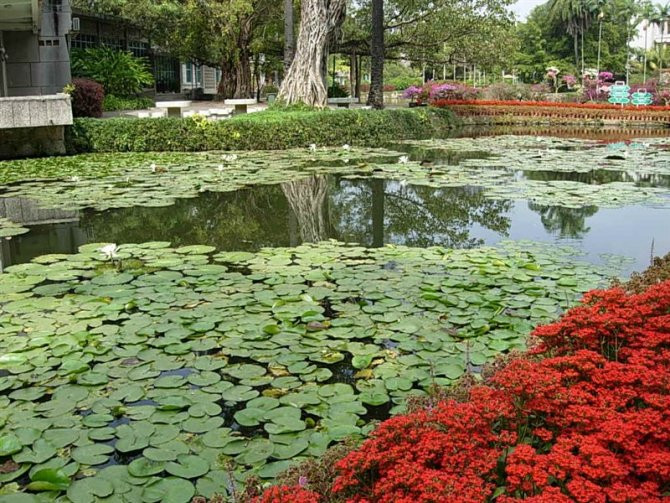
(82, 41)
(139, 49)
(112, 43)
(190, 70)
(54, 5)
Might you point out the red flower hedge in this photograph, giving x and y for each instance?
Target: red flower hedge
(285, 494)
(552, 104)
(584, 417)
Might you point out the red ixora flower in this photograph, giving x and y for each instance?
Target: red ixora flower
(588, 421)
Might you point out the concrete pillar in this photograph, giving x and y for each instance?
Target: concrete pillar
(3, 69)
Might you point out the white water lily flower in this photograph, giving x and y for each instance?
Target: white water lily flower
(312, 147)
(153, 167)
(220, 168)
(74, 179)
(109, 251)
(230, 157)
(346, 146)
(403, 159)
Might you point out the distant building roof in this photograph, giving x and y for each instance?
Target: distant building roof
(19, 15)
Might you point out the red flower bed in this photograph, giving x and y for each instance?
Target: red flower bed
(285, 494)
(583, 417)
(552, 104)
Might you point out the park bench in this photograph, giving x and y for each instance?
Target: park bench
(174, 108)
(240, 105)
(342, 102)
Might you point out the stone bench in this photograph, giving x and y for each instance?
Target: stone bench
(342, 102)
(240, 105)
(173, 108)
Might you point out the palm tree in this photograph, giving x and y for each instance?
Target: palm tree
(660, 16)
(635, 14)
(574, 16)
(646, 13)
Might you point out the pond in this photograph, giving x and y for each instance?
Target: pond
(603, 197)
(232, 331)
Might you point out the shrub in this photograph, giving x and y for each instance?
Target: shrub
(116, 103)
(404, 82)
(335, 90)
(582, 418)
(120, 73)
(657, 272)
(263, 130)
(270, 89)
(504, 91)
(87, 98)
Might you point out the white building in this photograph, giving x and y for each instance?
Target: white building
(195, 76)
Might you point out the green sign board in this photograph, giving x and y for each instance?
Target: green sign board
(641, 97)
(619, 94)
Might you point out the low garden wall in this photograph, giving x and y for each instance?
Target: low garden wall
(33, 125)
(258, 131)
(476, 112)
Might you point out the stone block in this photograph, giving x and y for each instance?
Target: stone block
(57, 53)
(43, 74)
(6, 114)
(23, 91)
(38, 113)
(21, 46)
(59, 112)
(21, 112)
(18, 75)
(30, 142)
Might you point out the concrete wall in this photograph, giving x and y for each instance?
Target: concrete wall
(40, 63)
(27, 212)
(34, 125)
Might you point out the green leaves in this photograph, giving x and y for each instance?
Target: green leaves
(161, 391)
(48, 479)
(9, 444)
(94, 454)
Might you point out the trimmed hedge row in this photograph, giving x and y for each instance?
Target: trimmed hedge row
(258, 131)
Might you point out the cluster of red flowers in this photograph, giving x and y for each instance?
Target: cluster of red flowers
(583, 417)
(288, 494)
(552, 104)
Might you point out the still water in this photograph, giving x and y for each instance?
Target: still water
(370, 211)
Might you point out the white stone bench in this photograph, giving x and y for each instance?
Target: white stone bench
(342, 102)
(220, 113)
(240, 105)
(173, 108)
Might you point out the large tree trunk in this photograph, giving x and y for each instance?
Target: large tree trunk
(307, 198)
(352, 73)
(228, 82)
(304, 80)
(359, 63)
(376, 94)
(289, 41)
(244, 88)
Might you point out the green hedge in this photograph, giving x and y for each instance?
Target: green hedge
(261, 130)
(113, 103)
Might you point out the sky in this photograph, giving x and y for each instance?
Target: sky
(523, 7)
